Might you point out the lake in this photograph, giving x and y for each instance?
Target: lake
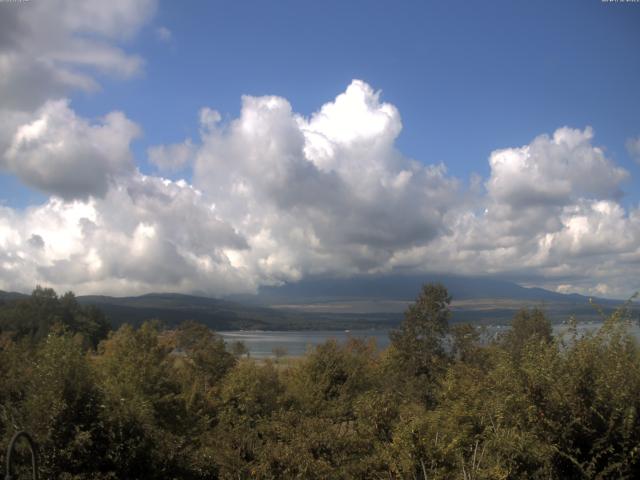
(261, 344)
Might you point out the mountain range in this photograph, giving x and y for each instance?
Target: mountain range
(361, 302)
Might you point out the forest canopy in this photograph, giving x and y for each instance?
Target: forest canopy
(440, 402)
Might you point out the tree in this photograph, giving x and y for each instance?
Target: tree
(418, 345)
(52, 394)
(239, 349)
(250, 395)
(206, 351)
(465, 345)
(332, 417)
(34, 317)
(144, 411)
(527, 326)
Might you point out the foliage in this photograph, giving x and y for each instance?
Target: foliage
(528, 326)
(239, 349)
(439, 403)
(417, 354)
(34, 317)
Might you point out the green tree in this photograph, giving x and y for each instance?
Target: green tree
(465, 345)
(332, 416)
(144, 410)
(527, 326)
(417, 347)
(239, 349)
(34, 317)
(205, 350)
(250, 395)
(54, 397)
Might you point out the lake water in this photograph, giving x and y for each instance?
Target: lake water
(261, 344)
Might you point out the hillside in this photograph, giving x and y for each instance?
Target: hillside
(475, 299)
(173, 308)
(401, 287)
(325, 304)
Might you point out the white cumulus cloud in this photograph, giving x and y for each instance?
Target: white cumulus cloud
(146, 234)
(277, 196)
(550, 216)
(65, 155)
(325, 194)
(553, 171)
(47, 49)
(171, 158)
(51, 46)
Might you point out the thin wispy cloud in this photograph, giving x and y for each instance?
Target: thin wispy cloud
(163, 34)
(633, 147)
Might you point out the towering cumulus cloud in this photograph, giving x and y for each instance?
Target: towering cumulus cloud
(277, 196)
(326, 194)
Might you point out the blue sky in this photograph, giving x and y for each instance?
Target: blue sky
(399, 171)
(497, 73)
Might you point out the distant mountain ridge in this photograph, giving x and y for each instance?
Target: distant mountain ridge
(404, 287)
(173, 308)
(483, 300)
(7, 296)
(360, 302)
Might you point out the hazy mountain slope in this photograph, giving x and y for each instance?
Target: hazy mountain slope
(8, 296)
(475, 299)
(399, 288)
(173, 308)
(361, 302)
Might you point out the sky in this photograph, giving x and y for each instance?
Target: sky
(215, 147)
